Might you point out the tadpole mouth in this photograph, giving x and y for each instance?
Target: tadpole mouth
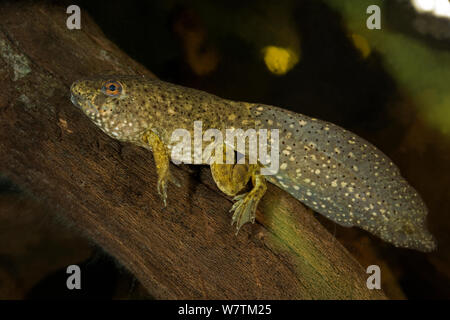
(82, 103)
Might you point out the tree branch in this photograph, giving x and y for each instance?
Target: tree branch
(107, 189)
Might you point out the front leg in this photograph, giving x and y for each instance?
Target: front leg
(161, 156)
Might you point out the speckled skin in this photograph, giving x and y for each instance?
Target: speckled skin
(329, 169)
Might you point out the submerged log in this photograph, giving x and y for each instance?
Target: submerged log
(106, 190)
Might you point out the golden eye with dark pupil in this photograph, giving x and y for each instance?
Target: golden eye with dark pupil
(112, 88)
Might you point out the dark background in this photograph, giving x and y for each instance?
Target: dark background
(216, 47)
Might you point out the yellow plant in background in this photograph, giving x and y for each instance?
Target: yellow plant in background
(279, 60)
(361, 44)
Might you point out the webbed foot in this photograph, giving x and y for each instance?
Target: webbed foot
(245, 206)
(244, 210)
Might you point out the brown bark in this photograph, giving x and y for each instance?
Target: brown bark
(106, 189)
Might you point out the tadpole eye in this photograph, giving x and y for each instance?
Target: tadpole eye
(112, 88)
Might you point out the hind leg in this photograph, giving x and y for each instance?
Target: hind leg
(231, 179)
